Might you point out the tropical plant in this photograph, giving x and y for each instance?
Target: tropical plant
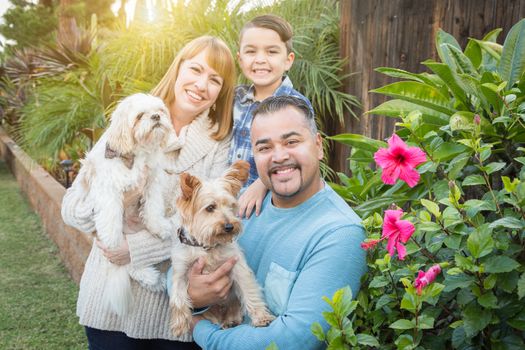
(26, 24)
(446, 243)
(134, 58)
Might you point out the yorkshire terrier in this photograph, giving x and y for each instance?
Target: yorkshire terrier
(209, 226)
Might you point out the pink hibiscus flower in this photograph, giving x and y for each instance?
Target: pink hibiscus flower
(399, 161)
(397, 232)
(423, 279)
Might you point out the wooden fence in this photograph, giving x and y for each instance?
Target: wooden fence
(401, 34)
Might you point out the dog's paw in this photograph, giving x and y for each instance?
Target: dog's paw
(230, 323)
(262, 318)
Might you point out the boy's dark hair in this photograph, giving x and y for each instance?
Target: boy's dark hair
(277, 103)
(275, 23)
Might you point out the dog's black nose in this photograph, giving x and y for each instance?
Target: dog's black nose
(228, 227)
(155, 117)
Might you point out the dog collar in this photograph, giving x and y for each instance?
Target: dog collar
(184, 239)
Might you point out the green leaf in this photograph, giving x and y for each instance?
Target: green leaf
(425, 322)
(405, 342)
(473, 180)
(359, 142)
(447, 150)
(518, 322)
(474, 206)
(480, 242)
(408, 302)
(508, 222)
(403, 74)
(384, 300)
(457, 281)
(429, 227)
(418, 93)
(500, 263)
(456, 165)
(475, 319)
(488, 301)
(378, 282)
(397, 108)
(521, 286)
(508, 185)
(462, 62)
(317, 330)
(367, 339)
(494, 166)
(443, 37)
(403, 324)
(432, 207)
(331, 319)
(512, 62)
(445, 73)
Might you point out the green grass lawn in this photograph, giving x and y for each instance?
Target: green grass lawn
(37, 297)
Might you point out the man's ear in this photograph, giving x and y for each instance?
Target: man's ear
(319, 145)
(237, 175)
(188, 185)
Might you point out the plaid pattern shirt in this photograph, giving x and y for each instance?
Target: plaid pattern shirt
(244, 105)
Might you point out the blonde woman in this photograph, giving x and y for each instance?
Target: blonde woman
(198, 91)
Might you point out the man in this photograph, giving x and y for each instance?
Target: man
(304, 245)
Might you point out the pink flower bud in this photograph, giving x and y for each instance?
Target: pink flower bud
(477, 119)
(423, 279)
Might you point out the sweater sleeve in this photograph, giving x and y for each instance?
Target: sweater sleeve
(336, 261)
(146, 249)
(77, 209)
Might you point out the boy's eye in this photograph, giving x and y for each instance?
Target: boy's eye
(274, 52)
(195, 69)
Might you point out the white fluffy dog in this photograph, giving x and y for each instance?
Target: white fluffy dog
(125, 163)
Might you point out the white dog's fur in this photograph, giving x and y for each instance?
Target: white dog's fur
(209, 225)
(123, 163)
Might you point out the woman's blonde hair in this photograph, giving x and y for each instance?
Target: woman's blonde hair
(218, 57)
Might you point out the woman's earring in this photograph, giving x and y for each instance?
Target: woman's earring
(213, 107)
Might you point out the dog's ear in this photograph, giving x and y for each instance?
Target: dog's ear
(120, 132)
(188, 185)
(237, 175)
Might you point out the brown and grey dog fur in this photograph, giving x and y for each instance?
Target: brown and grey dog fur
(209, 226)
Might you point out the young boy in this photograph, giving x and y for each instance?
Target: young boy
(265, 55)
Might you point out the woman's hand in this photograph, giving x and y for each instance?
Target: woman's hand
(252, 198)
(208, 289)
(117, 256)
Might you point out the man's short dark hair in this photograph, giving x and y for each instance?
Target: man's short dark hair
(277, 103)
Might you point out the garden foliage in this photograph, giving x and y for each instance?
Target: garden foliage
(446, 245)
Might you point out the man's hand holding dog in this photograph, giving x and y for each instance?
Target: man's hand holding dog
(117, 256)
(208, 289)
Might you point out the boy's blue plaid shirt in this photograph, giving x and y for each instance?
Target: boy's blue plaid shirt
(244, 105)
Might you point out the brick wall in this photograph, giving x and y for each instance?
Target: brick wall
(45, 196)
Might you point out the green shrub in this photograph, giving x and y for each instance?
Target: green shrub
(467, 207)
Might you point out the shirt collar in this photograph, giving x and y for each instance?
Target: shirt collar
(248, 93)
